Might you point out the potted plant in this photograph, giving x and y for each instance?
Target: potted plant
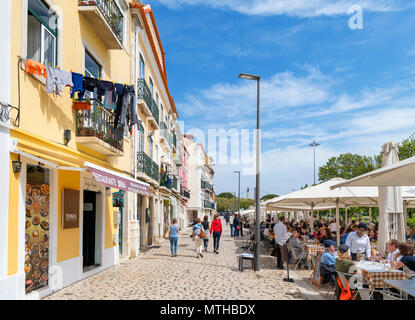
(82, 105)
(100, 135)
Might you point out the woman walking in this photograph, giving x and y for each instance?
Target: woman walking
(197, 237)
(216, 229)
(205, 225)
(174, 236)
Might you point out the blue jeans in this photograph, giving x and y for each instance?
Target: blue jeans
(216, 239)
(236, 231)
(173, 245)
(232, 232)
(205, 243)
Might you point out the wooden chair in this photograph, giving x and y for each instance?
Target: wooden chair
(247, 256)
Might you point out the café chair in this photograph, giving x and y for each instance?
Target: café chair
(390, 296)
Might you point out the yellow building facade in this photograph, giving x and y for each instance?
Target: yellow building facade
(83, 195)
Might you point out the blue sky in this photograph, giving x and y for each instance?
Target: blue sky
(351, 90)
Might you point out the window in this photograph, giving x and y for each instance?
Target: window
(157, 99)
(150, 148)
(151, 86)
(140, 138)
(142, 71)
(92, 68)
(161, 108)
(157, 153)
(41, 33)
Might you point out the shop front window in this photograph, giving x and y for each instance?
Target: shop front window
(37, 228)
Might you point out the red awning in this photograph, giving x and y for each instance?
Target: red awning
(112, 179)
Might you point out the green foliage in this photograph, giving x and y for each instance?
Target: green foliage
(227, 195)
(345, 166)
(269, 196)
(407, 148)
(225, 204)
(411, 222)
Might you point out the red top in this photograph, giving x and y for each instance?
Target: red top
(216, 226)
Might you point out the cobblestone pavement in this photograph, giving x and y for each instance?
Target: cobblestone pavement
(155, 275)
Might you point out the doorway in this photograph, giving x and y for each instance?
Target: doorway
(150, 222)
(89, 228)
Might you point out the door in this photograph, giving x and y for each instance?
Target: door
(150, 222)
(88, 245)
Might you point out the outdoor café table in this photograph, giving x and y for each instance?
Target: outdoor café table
(375, 275)
(406, 286)
(313, 249)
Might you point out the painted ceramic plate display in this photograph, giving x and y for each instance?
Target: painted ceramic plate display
(35, 261)
(27, 267)
(29, 285)
(44, 212)
(35, 247)
(29, 201)
(43, 279)
(28, 189)
(36, 274)
(44, 188)
(28, 213)
(36, 206)
(27, 254)
(35, 234)
(35, 221)
(44, 238)
(45, 225)
(27, 238)
(28, 224)
(44, 264)
(35, 193)
(44, 252)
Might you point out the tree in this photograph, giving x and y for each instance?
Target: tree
(346, 166)
(269, 196)
(407, 148)
(227, 195)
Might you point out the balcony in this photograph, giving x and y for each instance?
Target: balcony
(208, 205)
(106, 20)
(149, 106)
(174, 183)
(165, 136)
(147, 166)
(185, 193)
(165, 180)
(174, 140)
(95, 130)
(207, 186)
(178, 158)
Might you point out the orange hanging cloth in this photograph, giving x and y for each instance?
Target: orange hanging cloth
(35, 67)
(346, 293)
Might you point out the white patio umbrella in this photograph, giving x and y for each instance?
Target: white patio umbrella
(322, 196)
(391, 219)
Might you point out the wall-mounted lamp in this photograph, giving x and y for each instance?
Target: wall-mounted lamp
(67, 136)
(17, 166)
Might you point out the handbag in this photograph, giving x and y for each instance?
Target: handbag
(274, 252)
(202, 234)
(238, 227)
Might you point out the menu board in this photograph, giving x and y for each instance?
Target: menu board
(37, 236)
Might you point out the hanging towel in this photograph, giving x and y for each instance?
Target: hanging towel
(36, 68)
(57, 79)
(78, 80)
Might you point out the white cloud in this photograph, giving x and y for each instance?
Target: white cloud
(298, 8)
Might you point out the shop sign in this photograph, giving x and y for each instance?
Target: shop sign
(113, 181)
(70, 210)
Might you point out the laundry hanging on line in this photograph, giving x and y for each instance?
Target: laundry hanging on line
(119, 97)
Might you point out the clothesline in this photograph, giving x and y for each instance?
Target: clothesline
(119, 97)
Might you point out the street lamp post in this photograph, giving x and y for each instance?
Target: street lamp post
(239, 191)
(258, 152)
(314, 145)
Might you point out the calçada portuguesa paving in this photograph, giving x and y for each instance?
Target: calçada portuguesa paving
(155, 275)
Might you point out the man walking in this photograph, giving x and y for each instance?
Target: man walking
(280, 231)
(231, 223)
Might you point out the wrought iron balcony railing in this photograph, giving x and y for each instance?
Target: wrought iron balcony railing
(165, 180)
(9, 114)
(165, 133)
(174, 140)
(99, 122)
(111, 13)
(206, 185)
(144, 92)
(147, 166)
(174, 183)
(185, 193)
(155, 112)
